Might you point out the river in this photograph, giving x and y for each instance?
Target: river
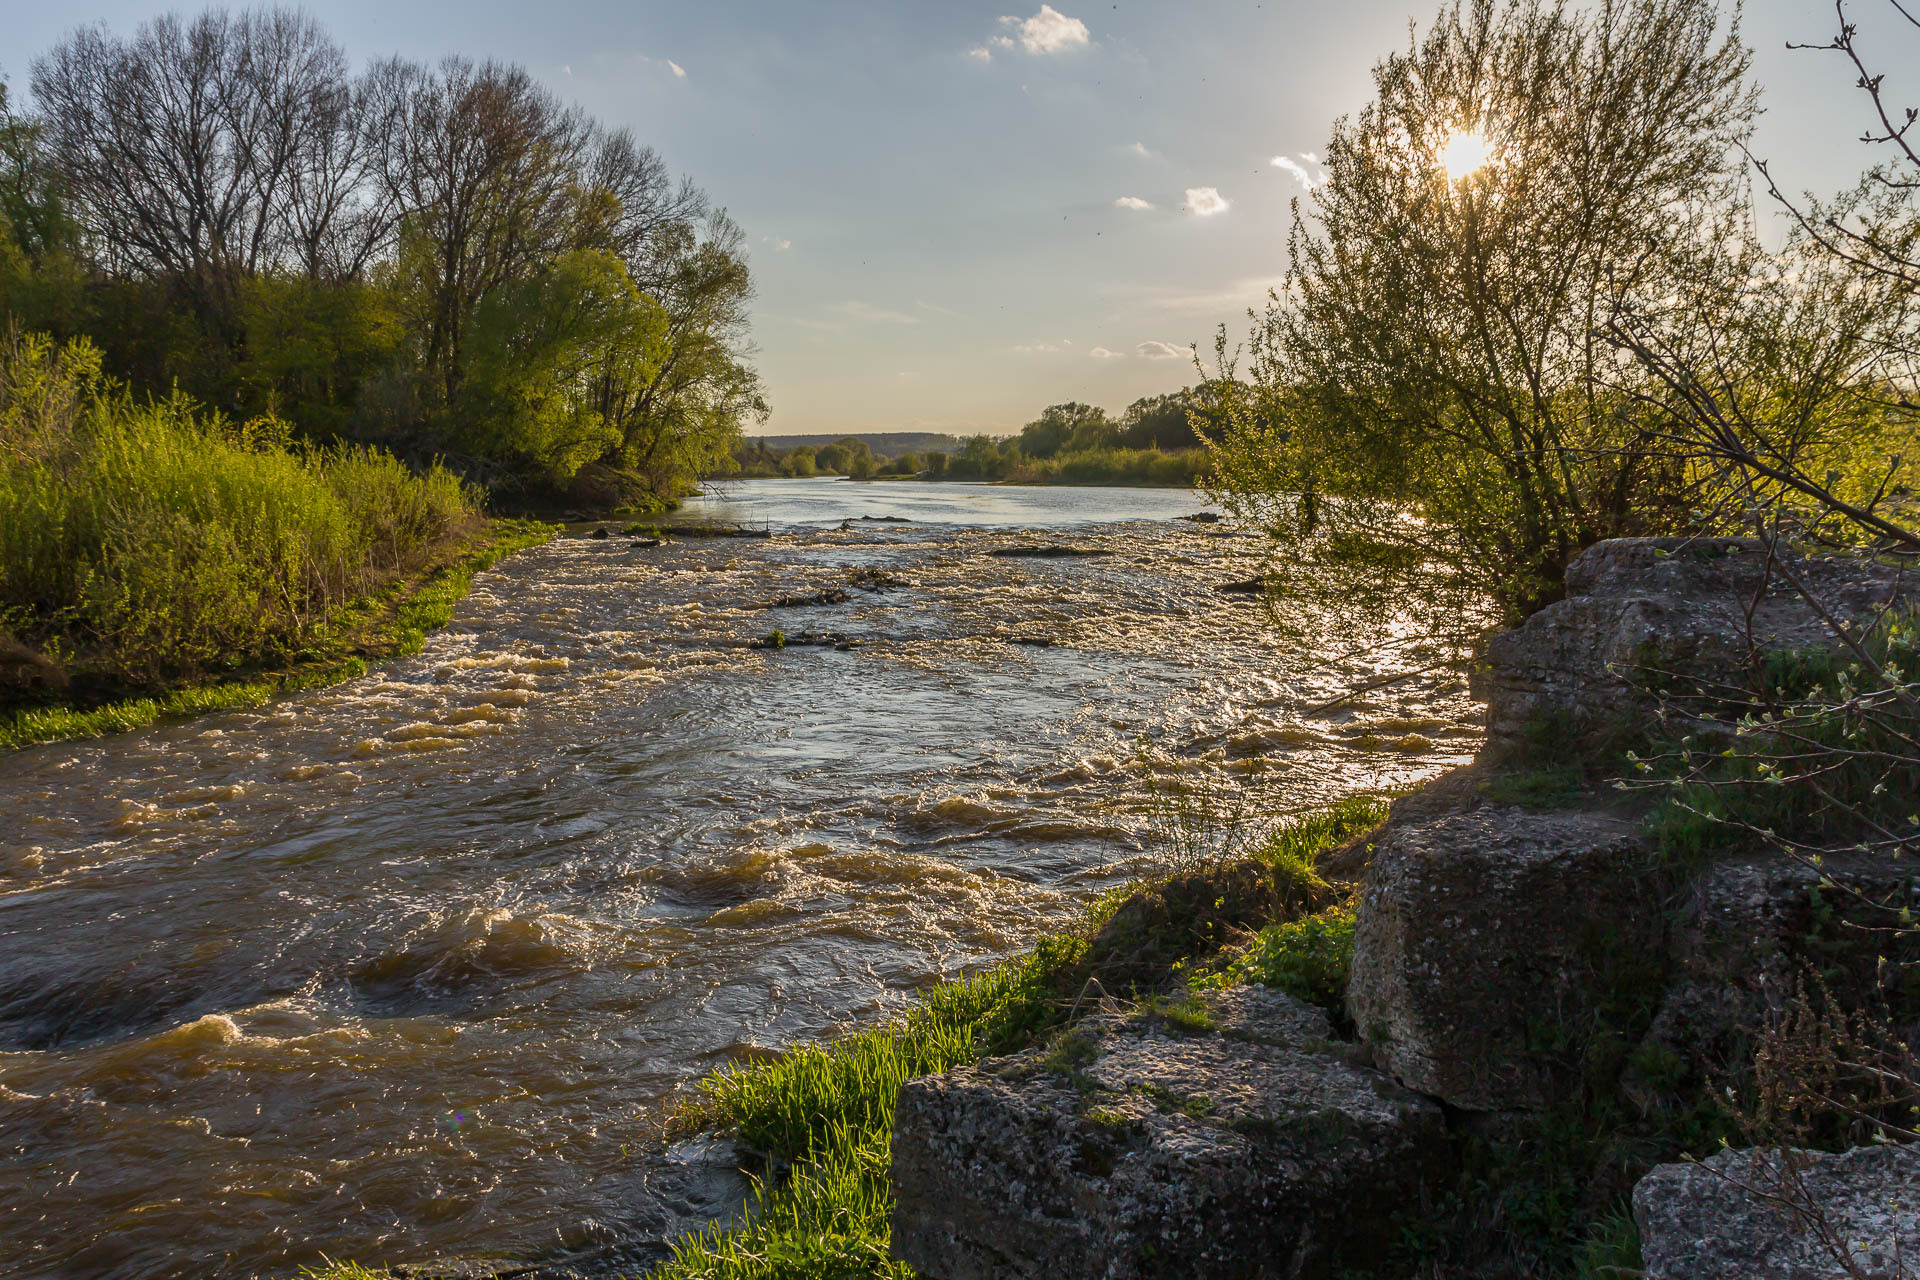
(404, 966)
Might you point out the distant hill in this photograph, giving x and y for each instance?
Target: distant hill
(885, 444)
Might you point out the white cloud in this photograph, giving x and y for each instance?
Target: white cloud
(1132, 202)
(1159, 351)
(1205, 201)
(1101, 353)
(1036, 348)
(1140, 149)
(679, 72)
(981, 52)
(567, 71)
(1048, 31)
(878, 315)
(1309, 178)
(783, 245)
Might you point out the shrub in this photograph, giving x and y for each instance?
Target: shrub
(152, 540)
(1308, 958)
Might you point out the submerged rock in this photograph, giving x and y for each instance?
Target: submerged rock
(1485, 939)
(1248, 1147)
(1764, 1215)
(805, 600)
(1050, 551)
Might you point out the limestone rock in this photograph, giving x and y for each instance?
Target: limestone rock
(1740, 936)
(1674, 612)
(1726, 1216)
(1482, 940)
(1255, 1149)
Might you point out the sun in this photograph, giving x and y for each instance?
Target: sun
(1464, 153)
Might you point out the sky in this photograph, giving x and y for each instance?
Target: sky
(961, 212)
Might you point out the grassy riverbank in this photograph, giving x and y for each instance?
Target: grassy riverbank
(390, 623)
(825, 1112)
(159, 559)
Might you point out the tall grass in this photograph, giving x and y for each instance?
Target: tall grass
(145, 541)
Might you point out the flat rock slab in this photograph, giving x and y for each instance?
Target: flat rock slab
(1483, 940)
(1748, 1215)
(1130, 1149)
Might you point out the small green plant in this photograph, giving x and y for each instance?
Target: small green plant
(1308, 958)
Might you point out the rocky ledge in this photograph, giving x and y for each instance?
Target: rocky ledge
(1782, 1215)
(1235, 1139)
(1507, 961)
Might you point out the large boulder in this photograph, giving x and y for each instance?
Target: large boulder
(1487, 940)
(1679, 614)
(1763, 1215)
(1742, 932)
(1244, 1145)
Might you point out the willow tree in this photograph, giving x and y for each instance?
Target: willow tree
(1425, 421)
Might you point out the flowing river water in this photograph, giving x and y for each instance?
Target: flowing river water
(402, 967)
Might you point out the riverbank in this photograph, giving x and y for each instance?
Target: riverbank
(387, 624)
(440, 942)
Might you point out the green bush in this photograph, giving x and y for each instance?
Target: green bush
(151, 540)
(1308, 958)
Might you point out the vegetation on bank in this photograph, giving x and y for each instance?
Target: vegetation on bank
(825, 1112)
(441, 261)
(1154, 442)
(157, 559)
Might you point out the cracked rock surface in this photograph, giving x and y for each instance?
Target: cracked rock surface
(1130, 1148)
(1747, 1214)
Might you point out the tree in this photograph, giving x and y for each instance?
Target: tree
(543, 349)
(41, 281)
(678, 423)
(179, 145)
(485, 164)
(1159, 422)
(1066, 426)
(1435, 361)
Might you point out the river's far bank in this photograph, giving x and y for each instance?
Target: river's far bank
(387, 624)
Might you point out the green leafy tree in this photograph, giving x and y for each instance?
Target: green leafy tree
(1425, 418)
(310, 347)
(1067, 426)
(541, 348)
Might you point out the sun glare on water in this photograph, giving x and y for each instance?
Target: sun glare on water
(1464, 154)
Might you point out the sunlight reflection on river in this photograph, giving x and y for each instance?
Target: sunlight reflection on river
(397, 967)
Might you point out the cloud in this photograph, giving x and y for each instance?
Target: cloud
(981, 52)
(1101, 353)
(1159, 351)
(1037, 348)
(1048, 31)
(782, 245)
(567, 71)
(1204, 202)
(1140, 149)
(934, 307)
(1309, 178)
(878, 315)
(679, 72)
(1132, 202)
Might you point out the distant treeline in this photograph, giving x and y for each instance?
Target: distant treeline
(1154, 441)
(445, 260)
